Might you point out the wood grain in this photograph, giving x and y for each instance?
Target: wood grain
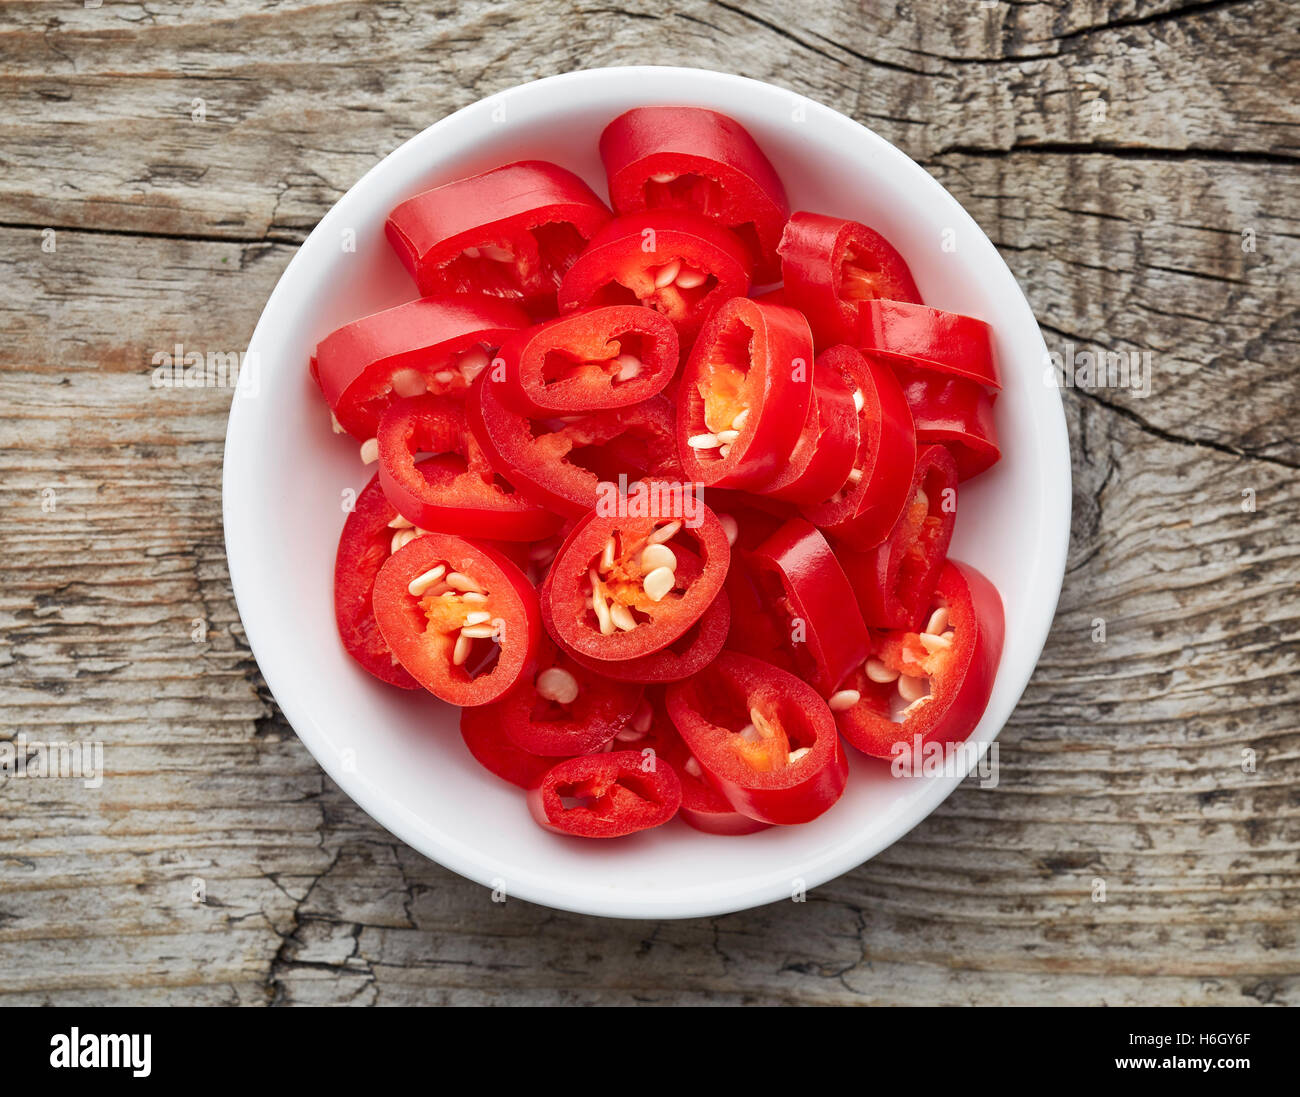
(1123, 762)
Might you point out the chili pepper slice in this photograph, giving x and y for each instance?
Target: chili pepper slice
(763, 738)
(561, 463)
(625, 587)
(461, 617)
(564, 708)
(830, 266)
(436, 344)
(744, 394)
(445, 493)
(703, 807)
(894, 580)
(484, 735)
(510, 232)
(695, 649)
(606, 795)
(955, 413)
(677, 262)
(933, 682)
(696, 159)
(364, 546)
(598, 360)
(823, 458)
(867, 505)
(803, 585)
(922, 337)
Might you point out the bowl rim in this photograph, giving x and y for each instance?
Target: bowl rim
(697, 900)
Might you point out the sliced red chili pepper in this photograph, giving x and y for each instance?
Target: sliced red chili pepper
(485, 736)
(763, 738)
(564, 708)
(754, 630)
(695, 649)
(934, 684)
(804, 587)
(867, 506)
(677, 262)
(893, 581)
(823, 458)
(510, 232)
(598, 360)
(606, 795)
(471, 629)
(436, 344)
(560, 464)
(450, 494)
(695, 159)
(744, 394)
(703, 807)
(955, 413)
(626, 587)
(363, 548)
(831, 266)
(921, 337)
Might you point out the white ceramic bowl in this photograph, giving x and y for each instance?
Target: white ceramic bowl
(399, 755)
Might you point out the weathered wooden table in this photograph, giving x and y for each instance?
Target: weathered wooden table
(1135, 161)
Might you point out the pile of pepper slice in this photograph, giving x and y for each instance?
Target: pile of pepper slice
(664, 492)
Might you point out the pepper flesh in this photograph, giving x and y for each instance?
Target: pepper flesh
(612, 795)
(456, 490)
(960, 675)
(510, 232)
(680, 263)
(831, 266)
(577, 363)
(355, 365)
(894, 580)
(752, 365)
(424, 630)
(696, 159)
(714, 712)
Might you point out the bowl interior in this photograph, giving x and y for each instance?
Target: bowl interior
(399, 755)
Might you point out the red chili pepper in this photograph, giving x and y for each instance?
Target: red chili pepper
(510, 232)
(606, 358)
(455, 491)
(703, 807)
(486, 739)
(935, 685)
(868, 504)
(539, 716)
(695, 649)
(744, 394)
(831, 266)
(625, 588)
(695, 159)
(472, 630)
(679, 263)
(924, 338)
(955, 413)
(804, 587)
(754, 630)
(763, 739)
(894, 580)
(606, 795)
(823, 458)
(436, 344)
(363, 549)
(538, 456)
